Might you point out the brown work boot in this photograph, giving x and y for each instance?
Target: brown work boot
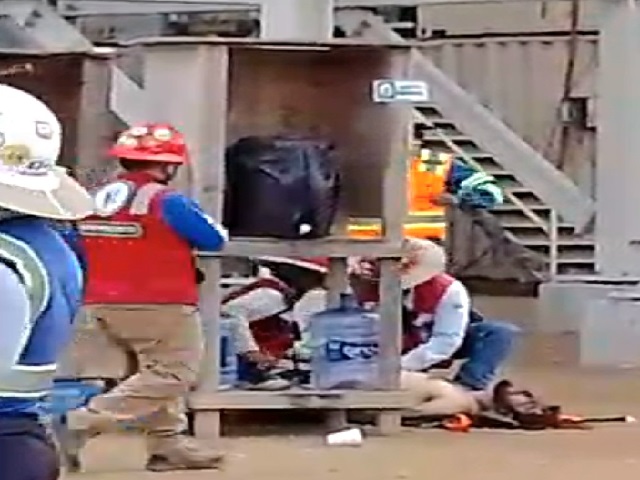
(180, 452)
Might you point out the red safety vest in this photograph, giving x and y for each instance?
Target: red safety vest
(425, 297)
(273, 334)
(133, 256)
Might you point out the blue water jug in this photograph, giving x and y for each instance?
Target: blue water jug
(345, 347)
(228, 352)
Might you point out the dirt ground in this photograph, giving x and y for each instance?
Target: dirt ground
(611, 451)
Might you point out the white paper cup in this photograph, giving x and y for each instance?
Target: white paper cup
(351, 437)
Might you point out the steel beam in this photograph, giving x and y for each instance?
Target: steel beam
(618, 169)
(105, 4)
(44, 26)
(420, 3)
(81, 8)
(86, 8)
(297, 19)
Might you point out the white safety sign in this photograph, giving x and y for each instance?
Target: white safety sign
(393, 91)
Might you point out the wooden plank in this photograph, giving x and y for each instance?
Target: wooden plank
(303, 399)
(394, 180)
(394, 215)
(391, 326)
(200, 112)
(337, 281)
(329, 247)
(208, 184)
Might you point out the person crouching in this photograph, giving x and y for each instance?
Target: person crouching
(440, 326)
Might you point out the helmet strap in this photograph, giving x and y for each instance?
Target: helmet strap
(171, 171)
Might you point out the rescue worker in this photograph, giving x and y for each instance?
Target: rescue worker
(432, 397)
(440, 325)
(271, 323)
(142, 290)
(435, 180)
(40, 279)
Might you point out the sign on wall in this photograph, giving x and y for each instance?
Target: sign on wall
(394, 91)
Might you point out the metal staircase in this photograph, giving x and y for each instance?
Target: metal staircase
(531, 222)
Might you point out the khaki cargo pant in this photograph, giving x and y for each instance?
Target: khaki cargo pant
(436, 396)
(166, 342)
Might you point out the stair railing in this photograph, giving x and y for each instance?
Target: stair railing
(554, 233)
(534, 217)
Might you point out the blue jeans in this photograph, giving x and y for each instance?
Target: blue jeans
(486, 347)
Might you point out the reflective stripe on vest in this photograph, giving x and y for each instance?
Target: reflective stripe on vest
(139, 205)
(30, 269)
(27, 381)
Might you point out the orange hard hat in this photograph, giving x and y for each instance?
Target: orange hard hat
(151, 142)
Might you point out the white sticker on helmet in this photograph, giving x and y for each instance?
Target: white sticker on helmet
(44, 130)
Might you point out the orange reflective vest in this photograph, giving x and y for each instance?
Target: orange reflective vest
(427, 179)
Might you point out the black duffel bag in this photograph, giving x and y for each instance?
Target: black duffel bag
(281, 187)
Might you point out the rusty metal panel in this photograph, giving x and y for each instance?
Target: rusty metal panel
(56, 79)
(520, 78)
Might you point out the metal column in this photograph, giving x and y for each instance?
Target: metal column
(603, 310)
(618, 166)
(297, 19)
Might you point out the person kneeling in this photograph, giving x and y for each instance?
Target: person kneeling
(440, 325)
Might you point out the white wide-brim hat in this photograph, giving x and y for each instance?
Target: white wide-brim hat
(423, 260)
(31, 182)
(66, 201)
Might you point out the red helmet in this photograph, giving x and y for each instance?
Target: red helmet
(151, 142)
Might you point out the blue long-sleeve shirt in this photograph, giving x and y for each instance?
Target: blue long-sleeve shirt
(69, 232)
(187, 219)
(473, 188)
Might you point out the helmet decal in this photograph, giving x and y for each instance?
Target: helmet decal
(44, 130)
(127, 140)
(162, 134)
(15, 155)
(138, 131)
(111, 198)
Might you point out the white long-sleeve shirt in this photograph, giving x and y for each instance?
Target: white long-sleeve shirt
(450, 321)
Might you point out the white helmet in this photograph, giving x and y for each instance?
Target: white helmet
(30, 143)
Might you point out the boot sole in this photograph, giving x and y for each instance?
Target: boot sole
(213, 465)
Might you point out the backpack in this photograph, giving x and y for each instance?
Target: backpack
(281, 187)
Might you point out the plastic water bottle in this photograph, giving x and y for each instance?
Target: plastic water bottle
(345, 347)
(228, 353)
